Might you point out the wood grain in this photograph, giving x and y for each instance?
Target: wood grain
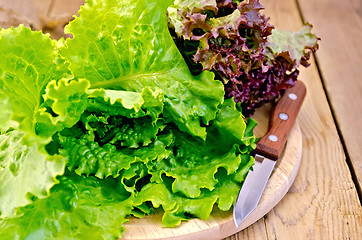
(50, 16)
(322, 203)
(21, 12)
(339, 24)
(60, 12)
(221, 224)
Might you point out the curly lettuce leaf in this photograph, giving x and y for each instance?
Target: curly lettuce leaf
(223, 132)
(227, 119)
(179, 208)
(147, 102)
(86, 157)
(25, 171)
(254, 61)
(27, 64)
(191, 4)
(121, 131)
(197, 174)
(179, 9)
(124, 45)
(5, 114)
(78, 208)
(293, 46)
(65, 101)
(123, 118)
(117, 129)
(193, 163)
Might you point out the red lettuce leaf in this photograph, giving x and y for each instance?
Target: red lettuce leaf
(234, 40)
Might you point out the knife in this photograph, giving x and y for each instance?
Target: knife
(268, 150)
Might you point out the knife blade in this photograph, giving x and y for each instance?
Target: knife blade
(268, 150)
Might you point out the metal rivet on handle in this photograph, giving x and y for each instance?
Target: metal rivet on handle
(283, 116)
(273, 138)
(292, 96)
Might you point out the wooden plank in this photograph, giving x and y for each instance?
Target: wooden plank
(65, 8)
(323, 201)
(60, 13)
(34, 11)
(339, 24)
(255, 231)
(47, 15)
(10, 17)
(13, 13)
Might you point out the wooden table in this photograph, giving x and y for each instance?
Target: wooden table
(325, 200)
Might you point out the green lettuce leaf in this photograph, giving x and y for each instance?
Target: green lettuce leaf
(124, 45)
(193, 162)
(87, 157)
(5, 114)
(226, 120)
(112, 131)
(27, 64)
(119, 107)
(178, 208)
(67, 100)
(25, 171)
(130, 104)
(197, 174)
(77, 208)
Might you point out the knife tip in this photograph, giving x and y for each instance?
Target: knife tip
(237, 222)
(240, 216)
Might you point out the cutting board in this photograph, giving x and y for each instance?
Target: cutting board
(221, 224)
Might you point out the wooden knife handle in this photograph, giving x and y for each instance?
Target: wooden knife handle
(281, 121)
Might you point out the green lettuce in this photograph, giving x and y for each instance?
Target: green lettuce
(114, 127)
(27, 64)
(78, 207)
(21, 164)
(126, 46)
(111, 124)
(64, 102)
(197, 174)
(179, 208)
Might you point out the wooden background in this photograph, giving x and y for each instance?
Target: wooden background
(325, 200)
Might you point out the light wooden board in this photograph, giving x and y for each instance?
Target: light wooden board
(221, 224)
(339, 24)
(322, 202)
(50, 16)
(15, 12)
